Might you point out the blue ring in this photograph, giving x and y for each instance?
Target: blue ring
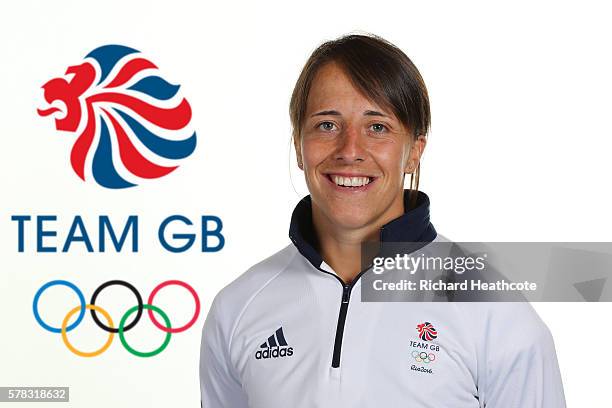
(54, 283)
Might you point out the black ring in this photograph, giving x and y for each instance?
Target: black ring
(112, 283)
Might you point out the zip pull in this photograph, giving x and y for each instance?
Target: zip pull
(346, 293)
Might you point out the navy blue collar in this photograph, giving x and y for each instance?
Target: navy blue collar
(412, 226)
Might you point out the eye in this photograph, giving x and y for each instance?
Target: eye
(326, 126)
(378, 127)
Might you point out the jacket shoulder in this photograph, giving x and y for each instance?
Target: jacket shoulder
(234, 298)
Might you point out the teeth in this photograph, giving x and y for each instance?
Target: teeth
(350, 181)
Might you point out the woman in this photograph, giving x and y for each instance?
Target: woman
(291, 331)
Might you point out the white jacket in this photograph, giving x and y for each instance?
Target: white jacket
(288, 332)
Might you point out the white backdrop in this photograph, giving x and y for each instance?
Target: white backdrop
(519, 150)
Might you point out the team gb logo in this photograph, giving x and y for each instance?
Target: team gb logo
(130, 123)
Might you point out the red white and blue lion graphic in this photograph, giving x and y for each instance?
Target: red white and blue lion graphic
(427, 332)
(131, 123)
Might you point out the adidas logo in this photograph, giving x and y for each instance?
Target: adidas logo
(276, 346)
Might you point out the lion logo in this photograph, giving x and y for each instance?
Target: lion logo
(131, 124)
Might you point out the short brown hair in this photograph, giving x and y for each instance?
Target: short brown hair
(378, 69)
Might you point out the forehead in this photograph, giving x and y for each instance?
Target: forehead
(332, 88)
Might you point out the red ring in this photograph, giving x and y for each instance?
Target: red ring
(195, 315)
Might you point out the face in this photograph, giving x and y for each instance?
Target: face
(354, 154)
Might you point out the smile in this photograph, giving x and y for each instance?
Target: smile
(350, 181)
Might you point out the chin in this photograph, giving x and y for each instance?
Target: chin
(350, 218)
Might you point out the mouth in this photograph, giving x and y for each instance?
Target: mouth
(350, 182)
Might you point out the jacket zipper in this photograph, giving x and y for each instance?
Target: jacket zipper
(346, 295)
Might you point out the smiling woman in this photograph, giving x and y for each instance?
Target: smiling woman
(360, 114)
(363, 76)
(289, 332)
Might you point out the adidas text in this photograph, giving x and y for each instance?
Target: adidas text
(274, 352)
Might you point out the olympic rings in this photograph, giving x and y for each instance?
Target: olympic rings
(83, 353)
(58, 283)
(423, 357)
(140, 353)
(111, 283)
(64, 329)
(189, 323)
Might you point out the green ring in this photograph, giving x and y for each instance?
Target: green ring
(140, 353)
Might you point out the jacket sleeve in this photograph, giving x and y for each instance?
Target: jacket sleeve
(219, 384)
(522, 369)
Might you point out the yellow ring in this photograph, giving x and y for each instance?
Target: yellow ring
(106, 345)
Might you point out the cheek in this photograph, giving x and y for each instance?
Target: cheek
(313, 153)
(391, 159)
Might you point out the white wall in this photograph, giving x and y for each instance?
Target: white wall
(520, 94)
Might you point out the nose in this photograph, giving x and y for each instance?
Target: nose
(350, 148)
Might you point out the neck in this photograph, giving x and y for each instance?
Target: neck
(341, 247)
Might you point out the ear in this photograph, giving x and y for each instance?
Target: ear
(416, 151)
(298, 152)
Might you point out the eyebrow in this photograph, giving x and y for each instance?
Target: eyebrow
(326, 112)
(374, 113)
(336, 113)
